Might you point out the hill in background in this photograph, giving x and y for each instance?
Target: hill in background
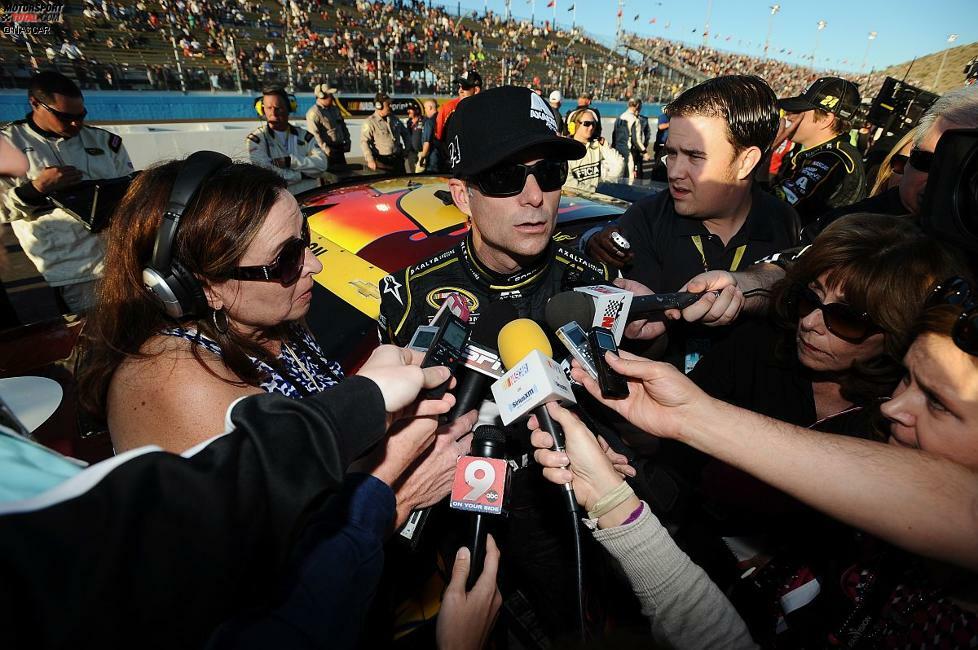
(924, 71)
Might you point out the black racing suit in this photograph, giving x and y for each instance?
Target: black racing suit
(535, 538)
(827, 176)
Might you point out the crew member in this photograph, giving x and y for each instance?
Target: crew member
(63, 151)
(828, 172)
(510, 190)
(290, 150)
(326, 123)
(583, 103)
(469, 84)
(381, 137)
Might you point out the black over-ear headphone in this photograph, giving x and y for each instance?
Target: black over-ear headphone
(175, 288)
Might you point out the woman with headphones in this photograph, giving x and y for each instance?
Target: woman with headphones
(600, 160)
(207, 279)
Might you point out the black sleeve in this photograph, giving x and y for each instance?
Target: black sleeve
(811, 184)
(177, 545)
(637, 227)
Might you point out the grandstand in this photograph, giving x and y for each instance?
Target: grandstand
(360, 46)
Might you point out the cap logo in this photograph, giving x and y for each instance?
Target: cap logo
(540, 111)
(454, 152)
(829, 101)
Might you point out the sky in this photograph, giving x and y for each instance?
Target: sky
(904, 28)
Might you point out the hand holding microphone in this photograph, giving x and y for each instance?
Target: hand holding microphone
(584, 465)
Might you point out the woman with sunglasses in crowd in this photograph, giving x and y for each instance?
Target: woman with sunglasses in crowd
(156, 380)
(840, 323)
(600, 161)
(916, 493)
(829, 353)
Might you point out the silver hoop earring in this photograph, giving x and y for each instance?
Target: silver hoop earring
(220, 324)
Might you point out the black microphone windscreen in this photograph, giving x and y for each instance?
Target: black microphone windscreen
(488, 441)
(570, 306)
(491, 320)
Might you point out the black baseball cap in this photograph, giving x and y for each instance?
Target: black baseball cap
(469, 79)
(830, 94)
(499, 123)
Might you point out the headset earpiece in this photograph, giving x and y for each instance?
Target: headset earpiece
(260, 108)
(176, 289)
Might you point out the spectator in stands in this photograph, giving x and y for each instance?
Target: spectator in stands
(289, 150)
(382, 138)
(63, 151)
(428, 158)
(828, 172)
(599, 162)
(326, 123)
(413, 127)
(632, 136)
(71, 51)
(712, 216)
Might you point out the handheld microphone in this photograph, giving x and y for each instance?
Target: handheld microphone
(481, 486)
(481, 358)
(580, 306)
(533, 379)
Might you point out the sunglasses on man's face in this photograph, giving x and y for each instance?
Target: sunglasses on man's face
(921, 160)
(840, 319)
(957, 291)
(65, 118)
(508, 179)
(287, 267)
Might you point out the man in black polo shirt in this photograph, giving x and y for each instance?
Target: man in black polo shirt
(712, 217)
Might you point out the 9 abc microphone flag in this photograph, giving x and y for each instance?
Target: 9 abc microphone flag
(480, 485)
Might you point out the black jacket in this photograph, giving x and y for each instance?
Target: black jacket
(155, 550)
(821, 178)
(410, 297)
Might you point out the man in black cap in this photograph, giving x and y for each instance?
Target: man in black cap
(828, 172)
(508, 183)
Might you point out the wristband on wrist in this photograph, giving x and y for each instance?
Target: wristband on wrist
(611, 500)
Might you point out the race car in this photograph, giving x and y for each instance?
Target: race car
(362, 229)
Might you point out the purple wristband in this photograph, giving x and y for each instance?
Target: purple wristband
(636, 513)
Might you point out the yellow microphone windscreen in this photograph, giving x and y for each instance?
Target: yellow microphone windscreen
(518, 338)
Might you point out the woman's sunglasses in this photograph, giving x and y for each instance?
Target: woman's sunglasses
(508, 179)
(921, 160)
(287, 267)
(588, 123)
(957, 291)
(840, 319)
(898, 163)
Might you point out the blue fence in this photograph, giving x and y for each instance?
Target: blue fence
(155, 106)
